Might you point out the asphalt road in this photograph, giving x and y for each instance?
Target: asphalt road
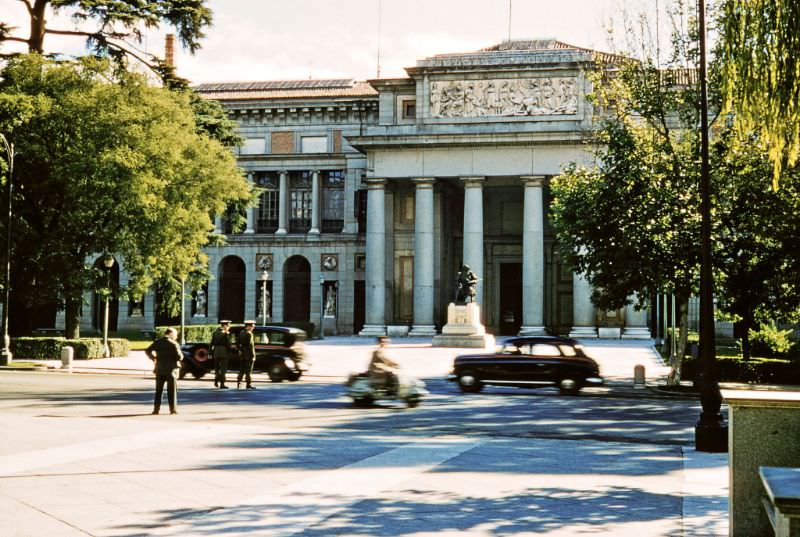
(81, 455)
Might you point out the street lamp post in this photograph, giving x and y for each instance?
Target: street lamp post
(5, 354)
(321, 307)
(264, 280)
(183, 311)
(711, 430)
(108, 262)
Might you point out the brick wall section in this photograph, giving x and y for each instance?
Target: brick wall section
(337, 141)
(283, 142)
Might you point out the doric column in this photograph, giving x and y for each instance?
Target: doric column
(583, 316)
(635, 322)
(533, 257)
(283, 204)
(423, 258)
(316, 206)
(473, 229)
(375, 315)
(251, 211)
(218, 225)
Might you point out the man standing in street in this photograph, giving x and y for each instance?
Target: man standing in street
(247, 354)
(167, 355)
(220, 343)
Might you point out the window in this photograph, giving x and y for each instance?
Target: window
(300, 198)
(332, 201)
(409, 109)
(543, 349)
(267, 219)
(314, 144)
(252, 146)
(361, 210)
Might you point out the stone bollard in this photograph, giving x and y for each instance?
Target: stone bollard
(638, 376)
(66, 358)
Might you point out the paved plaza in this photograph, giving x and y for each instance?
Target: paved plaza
(81, 455)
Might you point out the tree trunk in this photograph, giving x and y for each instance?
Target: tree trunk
(38, 26)
(676, 360)
(747, 322)
(72, 321)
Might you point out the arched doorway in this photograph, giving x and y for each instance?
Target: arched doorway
(231, 289)
(297, 290)
(109, 277)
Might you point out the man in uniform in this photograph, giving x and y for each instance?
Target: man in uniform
(220, 343)
(247, 354)
(167, 355)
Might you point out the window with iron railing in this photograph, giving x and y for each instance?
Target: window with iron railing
(333, 201)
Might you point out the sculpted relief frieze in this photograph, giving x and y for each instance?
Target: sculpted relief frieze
(504, 97)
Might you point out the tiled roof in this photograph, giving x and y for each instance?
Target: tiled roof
(506, 50)
(285, 89)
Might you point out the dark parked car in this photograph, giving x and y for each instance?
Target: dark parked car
(280, 352)
(528, 362)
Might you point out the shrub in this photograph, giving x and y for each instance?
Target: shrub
(757, 370)
(39, 348)
(49, 348)
(770, 341)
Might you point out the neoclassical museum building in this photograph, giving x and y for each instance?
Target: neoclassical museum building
(374, 193)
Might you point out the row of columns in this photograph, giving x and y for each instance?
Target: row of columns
(533, 262)
(283, 206)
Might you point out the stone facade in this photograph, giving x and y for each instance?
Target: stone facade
(375, 194)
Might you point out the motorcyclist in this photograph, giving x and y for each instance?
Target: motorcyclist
(220, 349)
(383, 370)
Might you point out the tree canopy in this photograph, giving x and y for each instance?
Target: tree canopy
(112, 27)
(107, 164)
(759, 53)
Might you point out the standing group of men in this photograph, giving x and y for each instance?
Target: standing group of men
(222, 346)
(167, 355)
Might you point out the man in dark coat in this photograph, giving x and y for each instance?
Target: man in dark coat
(247, 354)
(167, 355)
(220, 343)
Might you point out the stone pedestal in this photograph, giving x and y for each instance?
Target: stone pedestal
(463, 328)
(763, 430)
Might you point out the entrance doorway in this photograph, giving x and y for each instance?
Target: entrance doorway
(359, 306)
(297, 290)
(232, 274)
(510, 298)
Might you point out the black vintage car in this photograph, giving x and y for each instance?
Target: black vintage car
(280, 352)
(528, 362)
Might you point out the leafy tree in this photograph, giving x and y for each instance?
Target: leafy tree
(631, 223)
(756, 233)
(107, 163)
(113, 27)
(759, 52)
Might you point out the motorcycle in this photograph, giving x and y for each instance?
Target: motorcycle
(364, 393)
(196, 361)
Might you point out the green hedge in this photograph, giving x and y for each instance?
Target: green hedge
(757, 370)
(49, 348)
(196, 333)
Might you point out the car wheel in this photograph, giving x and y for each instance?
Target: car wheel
(363, 402)
(276, 373)
(294, 375)
(469, 382)
(197, 374)
(182, 374)
(412, 401)
(568, 386)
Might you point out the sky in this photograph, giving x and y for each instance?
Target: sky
(300, 39)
